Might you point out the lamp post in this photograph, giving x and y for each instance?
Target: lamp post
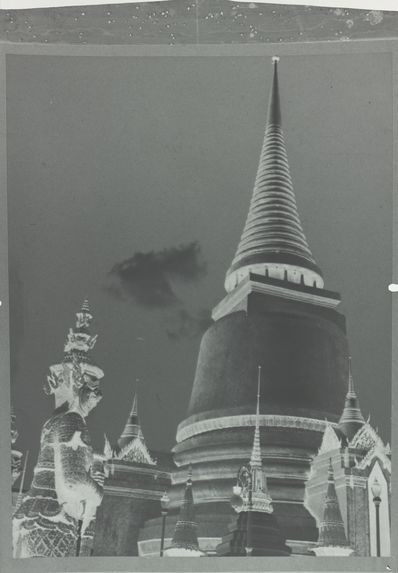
(164, 504)
(249, 541)
(376, 491)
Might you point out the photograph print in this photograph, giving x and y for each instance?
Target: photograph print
(200, 327)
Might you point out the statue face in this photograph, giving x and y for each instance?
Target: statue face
(89, 394)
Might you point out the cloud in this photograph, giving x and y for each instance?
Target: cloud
(183, 324)
(147, 278)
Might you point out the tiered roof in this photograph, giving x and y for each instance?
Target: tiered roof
(132, 446)
(273, 232)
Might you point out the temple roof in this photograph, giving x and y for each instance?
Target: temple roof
(132, 446)
(351, 419)
(132, 427)
(331, 529)
(273, 231)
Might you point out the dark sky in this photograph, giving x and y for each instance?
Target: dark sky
(112, 156)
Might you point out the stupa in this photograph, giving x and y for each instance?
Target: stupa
(276, 314)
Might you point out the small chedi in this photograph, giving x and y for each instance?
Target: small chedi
(56, 517)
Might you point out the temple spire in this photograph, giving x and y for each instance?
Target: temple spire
(351, 419)
(274, 106)
(273, 243)
(259, 498)
(132, 428)
(185, 539)
(257, 531)
(255, 460)
(132, 446)
(332, 539)
(351, 390)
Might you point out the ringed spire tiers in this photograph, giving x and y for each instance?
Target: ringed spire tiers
(273, 243)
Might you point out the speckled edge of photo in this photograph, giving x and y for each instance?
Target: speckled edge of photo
(194, 22)
(389, 48)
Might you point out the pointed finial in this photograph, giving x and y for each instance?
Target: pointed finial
(107, 448)
(351, 389)
(255, 460)
(330, 471)
(134, 407)
(274, 109)
(258, 389)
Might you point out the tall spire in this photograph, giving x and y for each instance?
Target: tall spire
(252, 482)
(273, 241)
(255, 460)
(260, 500)
(185, 539)
(132, 428)
(132, 442)
(351, 419)
(274, 107)
(257, 531)
(332, 539)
